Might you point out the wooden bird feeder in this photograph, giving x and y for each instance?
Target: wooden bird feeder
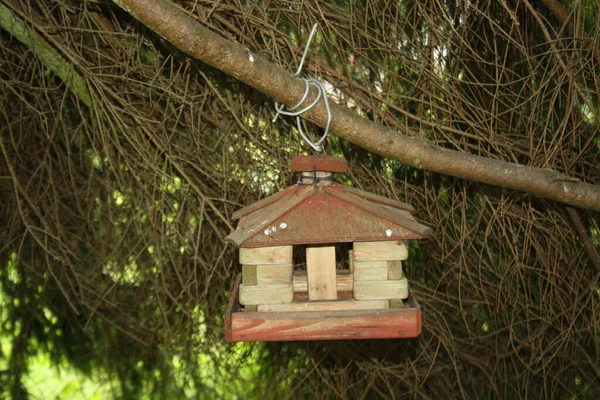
(368, 297)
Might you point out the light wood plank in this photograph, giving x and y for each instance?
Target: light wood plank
(249, 275)
(275, 274)
(351, 260)
(320, 268)
(266, 255)
(394, 270)
(320, 325)
(325, 306)
(376, 251)
(380, 290)
(266, 294)
(324, 325)
(303, 296)
(370, 270)
(344, 282)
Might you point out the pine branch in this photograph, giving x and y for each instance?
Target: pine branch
(166, 19)
(51, 58)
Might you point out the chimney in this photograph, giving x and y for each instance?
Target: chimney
(318, 170)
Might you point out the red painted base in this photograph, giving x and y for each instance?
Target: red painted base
(241, 326)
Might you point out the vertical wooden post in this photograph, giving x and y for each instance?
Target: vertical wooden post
(320, 268)
(395, 273)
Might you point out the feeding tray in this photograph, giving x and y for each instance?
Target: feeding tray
(391, 323)
(364, 296)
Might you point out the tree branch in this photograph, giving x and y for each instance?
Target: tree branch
(166, 19)
(47, 54)
(564, 17)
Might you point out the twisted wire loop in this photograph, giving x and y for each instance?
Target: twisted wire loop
(294, 112)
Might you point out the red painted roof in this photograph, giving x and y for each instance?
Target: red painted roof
(306, 214)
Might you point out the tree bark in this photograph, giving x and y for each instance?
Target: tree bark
(169, 21)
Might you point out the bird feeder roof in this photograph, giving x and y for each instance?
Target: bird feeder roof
(332, 213)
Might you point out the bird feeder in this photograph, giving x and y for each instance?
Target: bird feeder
(362, 295)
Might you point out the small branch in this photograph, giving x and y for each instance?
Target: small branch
(564, 17)
(585, 238)
(14, 25)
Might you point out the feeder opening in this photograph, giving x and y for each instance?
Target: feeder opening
(327, 266)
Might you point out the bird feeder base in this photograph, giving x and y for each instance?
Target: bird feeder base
(391, 323)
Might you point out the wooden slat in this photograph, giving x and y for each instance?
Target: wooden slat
(252, 308)
(376, 251)
(380, 290)
(325, 306)
(377, 199)
(249, 275)
(302, 163)
(303, 296)
(394, 270)
(264, 202)
(260, 221)
(321, 325)
(344, 282)
(233, 306)
(320, 268)
(274, 274)
(394, 215)
(370, 270)
(266, 255)
(266, 294)
(325, 325)
(351, 260)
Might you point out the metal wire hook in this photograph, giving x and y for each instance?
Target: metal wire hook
(293, 112)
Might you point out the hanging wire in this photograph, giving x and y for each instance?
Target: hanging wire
(294, 112)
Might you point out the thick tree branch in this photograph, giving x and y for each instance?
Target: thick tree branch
(166, 19)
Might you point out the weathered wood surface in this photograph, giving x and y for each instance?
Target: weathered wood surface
(394, 270)
(345, 295)
(320, 270)
(370, 270)
(301, 163)
(376, 251)
(265, 202)
(266, 294)
(386, 201)
(233, 306)
(344, 281)
(380, 290)
(331, 305)
(266, 255)
(400, 222)
(274, 274)
(268, 274)
(325, 325)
